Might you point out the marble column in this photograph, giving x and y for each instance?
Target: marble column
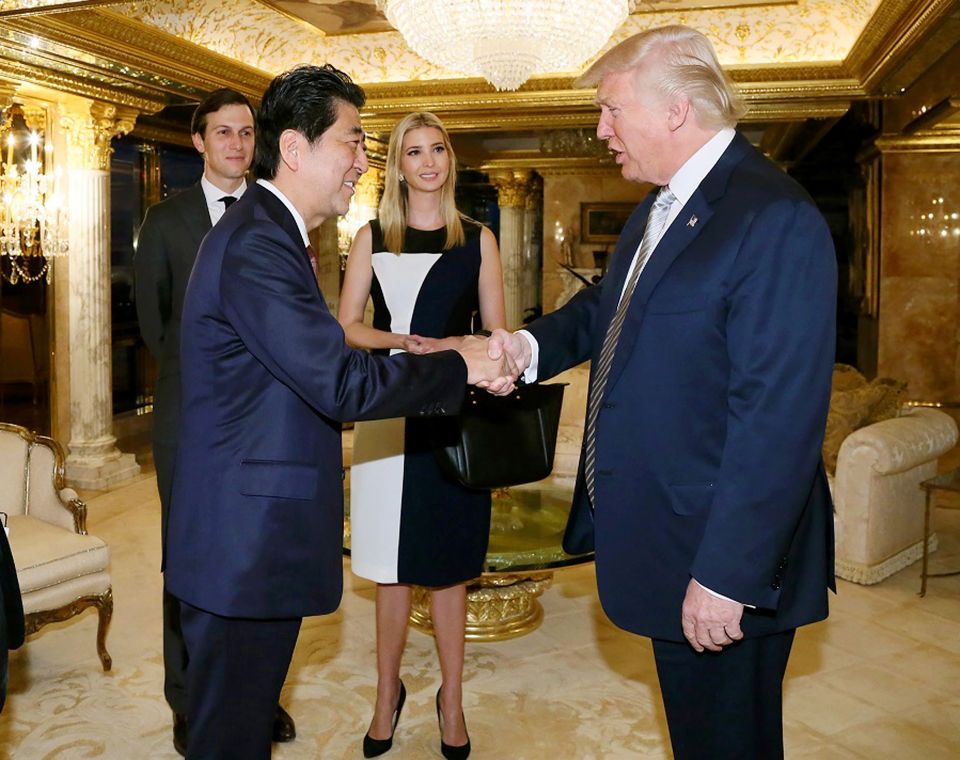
(94, 461)
(512, 189)
(532, 264)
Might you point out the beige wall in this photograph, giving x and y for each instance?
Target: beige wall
(562, 195)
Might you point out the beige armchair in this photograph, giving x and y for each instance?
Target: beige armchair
(878, 501)
(61, 569)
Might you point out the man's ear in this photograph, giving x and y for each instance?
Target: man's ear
(197, 142)
(678, 112)
(291, 142)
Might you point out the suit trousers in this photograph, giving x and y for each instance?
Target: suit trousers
(236, 671)
(725, 705)
(174, 649)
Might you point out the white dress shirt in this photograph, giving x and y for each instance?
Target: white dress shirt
(213, 194)
(301, 225)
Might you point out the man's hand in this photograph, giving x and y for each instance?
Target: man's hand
(485, 371)
(708, 621)
(503, 344)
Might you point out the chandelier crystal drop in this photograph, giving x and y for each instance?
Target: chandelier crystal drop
(33, 218)
(506, 41)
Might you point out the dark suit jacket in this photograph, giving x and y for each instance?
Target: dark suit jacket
(166, 249)
(708, 440)
(256, 522)
(11, 605)
(11, 611)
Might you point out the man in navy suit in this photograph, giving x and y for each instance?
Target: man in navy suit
(222, 131)
(711, 341)
(254, 538)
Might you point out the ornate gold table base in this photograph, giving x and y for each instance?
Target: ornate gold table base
(499, 605)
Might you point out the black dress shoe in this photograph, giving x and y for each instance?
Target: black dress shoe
(180, 733)
(374, 747)
(451, 751)
(284, 729)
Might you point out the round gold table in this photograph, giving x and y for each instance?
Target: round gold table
(526, 529)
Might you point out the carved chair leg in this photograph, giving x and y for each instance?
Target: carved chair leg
(104, 605)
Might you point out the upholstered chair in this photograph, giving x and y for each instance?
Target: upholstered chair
(61, 569)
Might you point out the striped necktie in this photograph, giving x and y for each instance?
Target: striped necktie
(651, 236)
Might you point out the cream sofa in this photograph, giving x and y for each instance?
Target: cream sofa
(61, 569)
(877, 497)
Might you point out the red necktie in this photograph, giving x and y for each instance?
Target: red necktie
(311, 252)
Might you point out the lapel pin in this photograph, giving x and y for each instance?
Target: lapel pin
(692, 222)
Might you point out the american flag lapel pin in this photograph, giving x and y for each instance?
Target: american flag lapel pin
(692, 221)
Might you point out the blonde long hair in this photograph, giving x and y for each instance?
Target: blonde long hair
(393, 204)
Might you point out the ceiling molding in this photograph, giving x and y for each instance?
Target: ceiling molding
(132, 56)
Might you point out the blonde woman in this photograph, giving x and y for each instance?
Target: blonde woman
(429, 270)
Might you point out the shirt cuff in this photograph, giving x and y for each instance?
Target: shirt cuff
(530, 374)
(721, 596)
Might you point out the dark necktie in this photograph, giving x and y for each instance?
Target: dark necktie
(227, 200)
(651, 236)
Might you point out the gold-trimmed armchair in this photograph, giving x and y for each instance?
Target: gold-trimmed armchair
(61, 569)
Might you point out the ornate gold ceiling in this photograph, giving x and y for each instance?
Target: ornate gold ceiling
(794, 60)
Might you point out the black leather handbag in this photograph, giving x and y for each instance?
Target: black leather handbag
(501, 441)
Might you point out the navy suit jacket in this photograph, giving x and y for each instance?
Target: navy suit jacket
(709, 434)
(256, 520)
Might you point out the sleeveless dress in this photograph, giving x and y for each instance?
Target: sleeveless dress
(409, 523)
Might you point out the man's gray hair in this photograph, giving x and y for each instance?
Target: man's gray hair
(687, 65)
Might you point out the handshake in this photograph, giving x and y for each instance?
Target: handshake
(493, 363)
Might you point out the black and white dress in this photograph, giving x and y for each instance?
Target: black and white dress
(408, 522)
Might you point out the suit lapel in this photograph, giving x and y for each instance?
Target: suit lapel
(281, 215)
(616, 275)
(691, 220)
(196, 217)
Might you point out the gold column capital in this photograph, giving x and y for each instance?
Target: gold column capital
(90, 130)
(513, 187)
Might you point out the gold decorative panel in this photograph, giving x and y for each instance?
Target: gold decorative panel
(808, 31)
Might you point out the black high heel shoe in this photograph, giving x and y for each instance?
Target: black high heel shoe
(374, 747)
(449, 751)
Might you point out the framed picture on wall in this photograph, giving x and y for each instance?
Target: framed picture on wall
(602, 222)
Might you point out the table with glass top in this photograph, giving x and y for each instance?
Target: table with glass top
(526, 529)
(949, 482)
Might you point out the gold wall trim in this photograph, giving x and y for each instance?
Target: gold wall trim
(893, 30)
(944, 140)
(150, 133)
(75, 85)
(157, 55)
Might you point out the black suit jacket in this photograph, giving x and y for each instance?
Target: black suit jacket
(11, 611)
(709, 433)
(256, 521)
(166, 249)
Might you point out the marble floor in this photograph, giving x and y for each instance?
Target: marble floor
(879, 679)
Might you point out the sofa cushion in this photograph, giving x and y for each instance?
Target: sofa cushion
(46, 555)
(856, 403)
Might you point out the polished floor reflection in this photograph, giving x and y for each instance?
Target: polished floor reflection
(878, 680)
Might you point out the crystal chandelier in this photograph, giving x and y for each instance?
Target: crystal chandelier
(33, 220)
(506, 41)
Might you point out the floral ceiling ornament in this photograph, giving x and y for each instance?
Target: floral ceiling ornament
(506, 41)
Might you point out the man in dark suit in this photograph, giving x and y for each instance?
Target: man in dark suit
(222, 130)
(11, 611)
(256, 520)
(711, 341)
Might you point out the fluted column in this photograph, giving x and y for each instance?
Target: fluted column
(94, 460)
(532, 263)
(512, 188)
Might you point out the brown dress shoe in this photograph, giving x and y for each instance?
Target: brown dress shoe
(284, 729)
(180, 733)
